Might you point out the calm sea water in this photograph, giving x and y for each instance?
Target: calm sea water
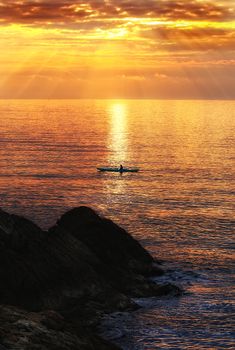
(181, 204)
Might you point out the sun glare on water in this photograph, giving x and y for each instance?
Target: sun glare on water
(118, 140)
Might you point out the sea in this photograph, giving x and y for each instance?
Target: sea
(180, 205)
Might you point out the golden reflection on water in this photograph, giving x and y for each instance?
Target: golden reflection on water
(183, 148)
(117, 144)
(118, 133)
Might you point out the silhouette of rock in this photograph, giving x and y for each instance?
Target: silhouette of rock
(41, 270)
(82, 267)
(45, 331)
(125, 261)
(112, 244)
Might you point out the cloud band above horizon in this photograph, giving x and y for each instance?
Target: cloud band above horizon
(130, 48)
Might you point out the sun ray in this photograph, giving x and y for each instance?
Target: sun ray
(94, 50)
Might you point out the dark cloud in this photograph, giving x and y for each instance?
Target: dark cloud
(40, 11)
(171, 9)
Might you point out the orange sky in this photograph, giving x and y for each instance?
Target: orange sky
(117, 49)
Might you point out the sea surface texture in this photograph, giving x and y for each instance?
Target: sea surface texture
(180, 205)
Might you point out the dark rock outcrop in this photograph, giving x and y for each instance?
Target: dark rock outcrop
(109, 242)
(125, 263)
(45, 330)
(83, 266)
(51, 270)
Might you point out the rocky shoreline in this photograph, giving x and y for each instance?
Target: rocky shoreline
(56, 284)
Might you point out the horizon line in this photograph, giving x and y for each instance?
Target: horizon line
(119, 98)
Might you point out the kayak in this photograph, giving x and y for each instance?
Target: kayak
(118, 170)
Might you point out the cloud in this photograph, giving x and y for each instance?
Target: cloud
(152, 44)
(173, 22)
(189, 38)
(65, 12)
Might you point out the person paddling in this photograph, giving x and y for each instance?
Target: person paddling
(121, 168)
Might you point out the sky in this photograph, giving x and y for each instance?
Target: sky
(173, 49)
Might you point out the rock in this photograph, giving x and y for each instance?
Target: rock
(42, 331)
(53, 320)
(83, 259)
(111, 243)
(82, 267)
(2, 347)
(167, 290)
(119, 252)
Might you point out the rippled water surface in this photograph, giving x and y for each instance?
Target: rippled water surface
(181, 204)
